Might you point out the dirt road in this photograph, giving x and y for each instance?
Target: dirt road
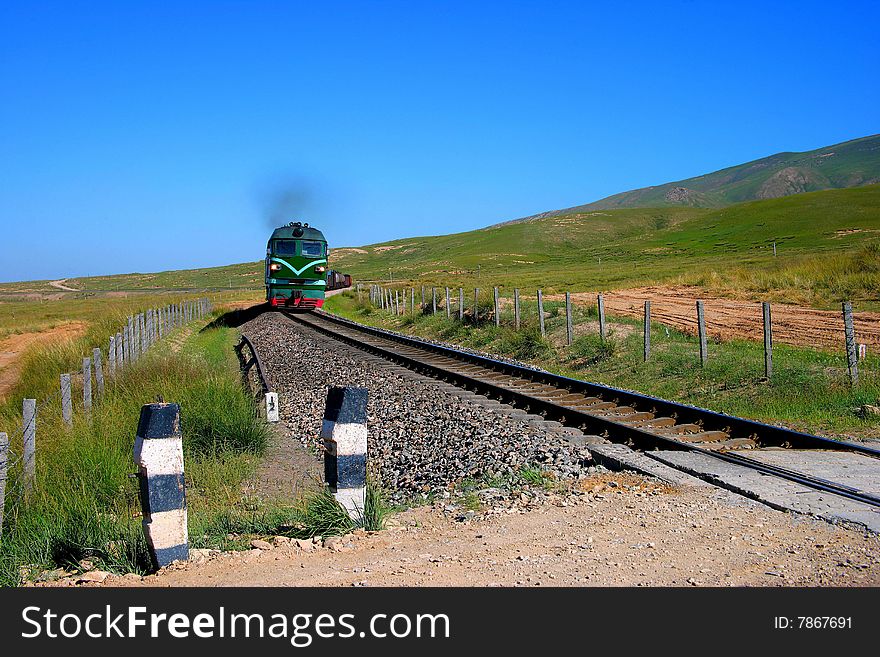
(728, 318)
(633, 533)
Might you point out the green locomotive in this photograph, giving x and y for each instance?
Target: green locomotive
(296, 267)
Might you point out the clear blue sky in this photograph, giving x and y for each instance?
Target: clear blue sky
(144, 136)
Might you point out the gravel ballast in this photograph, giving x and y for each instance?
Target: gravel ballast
(422, 438)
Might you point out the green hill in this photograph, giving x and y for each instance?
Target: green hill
(849, 164)
(826, 244)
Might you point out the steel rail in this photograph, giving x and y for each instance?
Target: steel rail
(632, 435)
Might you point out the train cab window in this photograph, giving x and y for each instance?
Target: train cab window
(313, 249)
(285, 247)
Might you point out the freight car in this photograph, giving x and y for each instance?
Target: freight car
(337, 280)
(296, 267)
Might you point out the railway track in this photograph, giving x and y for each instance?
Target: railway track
(639, 421)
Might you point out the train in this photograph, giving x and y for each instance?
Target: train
(297, 275)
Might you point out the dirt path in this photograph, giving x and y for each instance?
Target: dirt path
(727, 318)
(12, 348)
(61, 286)
(637, 533)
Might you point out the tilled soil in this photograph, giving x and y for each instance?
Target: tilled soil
(728, 318)
(13, 347)
(636, 533)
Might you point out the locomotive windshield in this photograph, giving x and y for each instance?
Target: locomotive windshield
(313, 249)
(285, 247)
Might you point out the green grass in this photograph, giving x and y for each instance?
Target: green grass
(809, 390)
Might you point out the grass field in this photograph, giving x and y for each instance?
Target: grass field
(85, 505)
(809, 390)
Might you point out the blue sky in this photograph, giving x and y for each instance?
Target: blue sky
(144, 136)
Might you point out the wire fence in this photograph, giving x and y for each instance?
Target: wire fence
(139, 334)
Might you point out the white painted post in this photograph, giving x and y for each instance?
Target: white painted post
(158, 453)
(87, 385)
(99, 370)
(863, 351)
(272, 410)
(701, 330)
(66, 401)
(29, 442)
(541, 312)
(344, 431)
(4, 462)
(497, 307)
(601, 310)
(412, 301)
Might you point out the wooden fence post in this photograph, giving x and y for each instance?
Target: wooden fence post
(461, 304)
(768, 340)
(66, 401)
(476, 305)
(701, 332)
(423, 296)
(568, 327)
(29, 442)
(516, 308)
(497, 307)
(87, 385)
(541, 312)
(434, 300)
(4, 461)
(448, 309)
(647, 329)
(600, 302)
(849, 334)
(412, 301)
(99, 370)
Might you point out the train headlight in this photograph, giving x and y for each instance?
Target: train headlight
(274, 267)
(320, 269)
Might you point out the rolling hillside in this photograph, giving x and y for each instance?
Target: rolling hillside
(849, 164)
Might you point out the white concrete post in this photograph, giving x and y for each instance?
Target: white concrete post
(344, 431)
(158, 453)
(272, 410)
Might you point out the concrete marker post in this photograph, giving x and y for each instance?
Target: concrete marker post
(87, 385)
(158, 453)
(111, 356)
(768, 340)
(4, 463)
(541, 313)
(497, 308)
(99, 371)
(849, 334)
(600, 301)
(647, 351)
(344, 431)
(272, 410)
(701, 331)
(66, 400)
(516, 317)
(568, 327)
(29, 442)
